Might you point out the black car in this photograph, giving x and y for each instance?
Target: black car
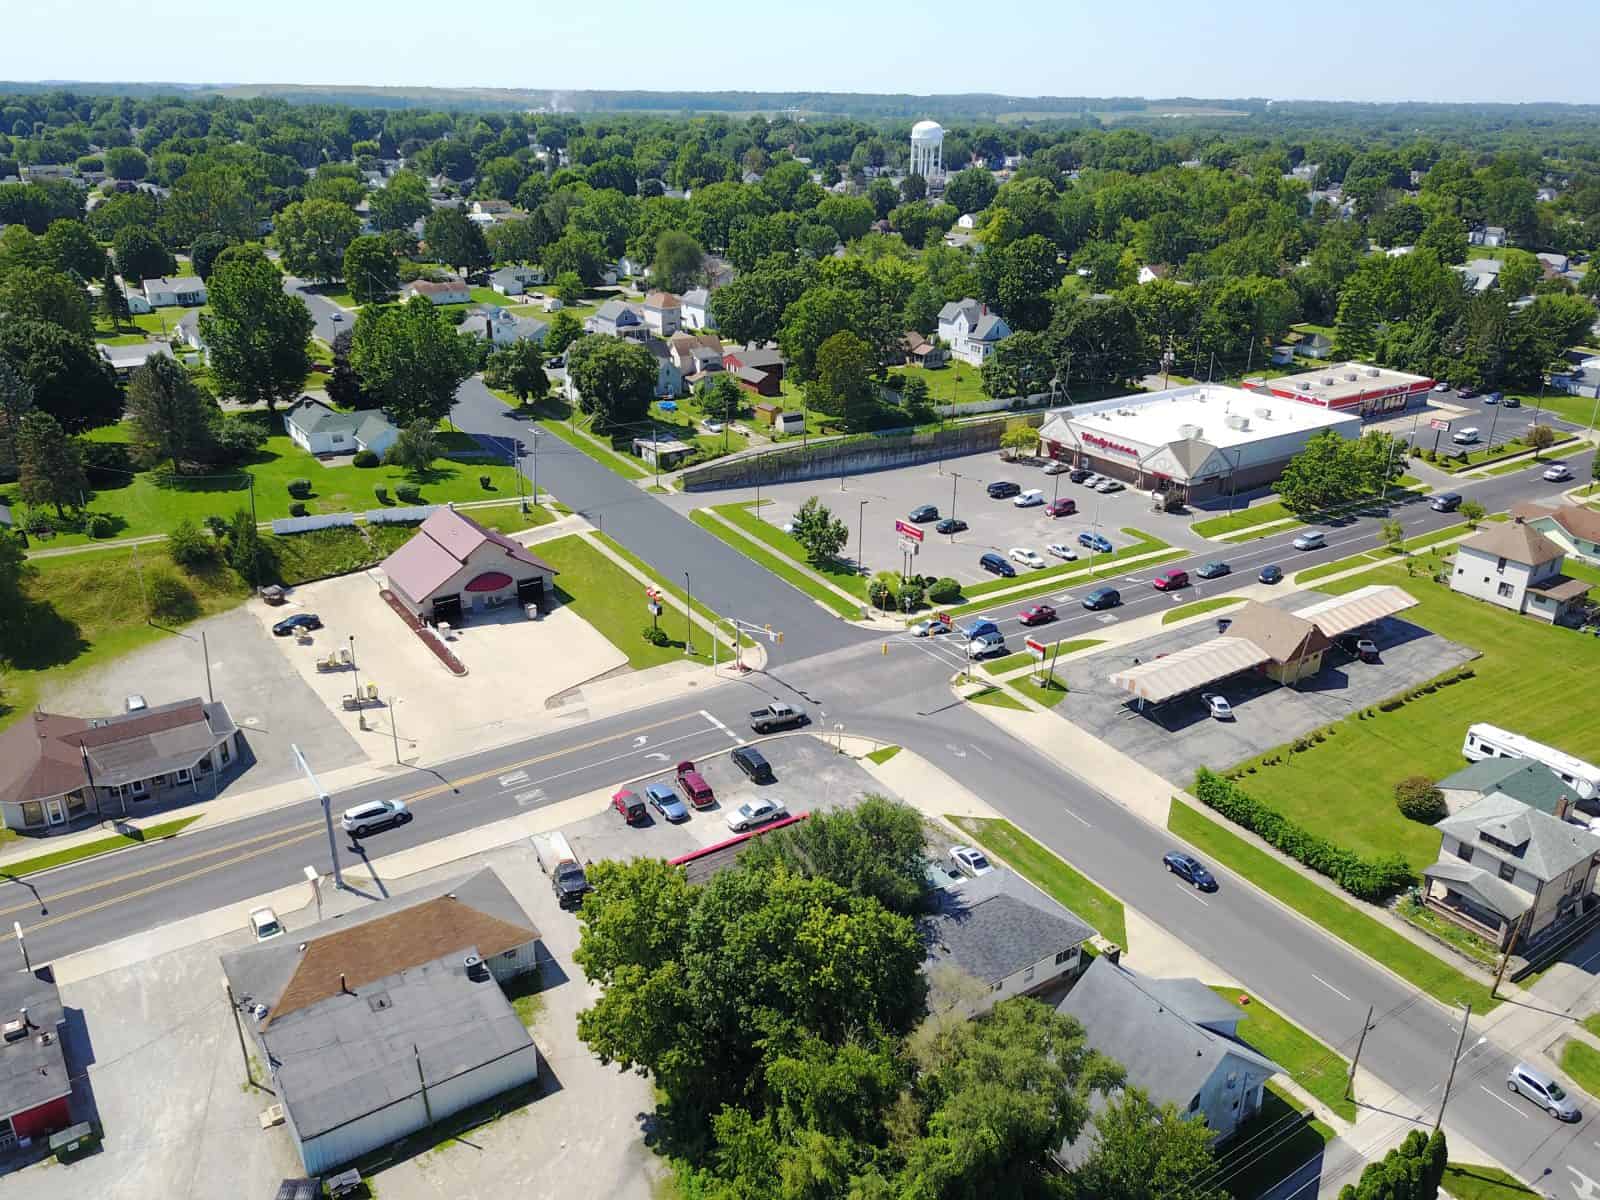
(951, 525)
(751, 761)
(1271, 574)
(1510, 402)
(1002, 489)
(995, 565)
(1079, 474)
(924, 512)
(1189, 869)
(1102, 598)
(296, 623)
(1213, 570)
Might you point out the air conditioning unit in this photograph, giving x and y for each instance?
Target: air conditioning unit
(1372, 372)
(1350, 376)
(1264, 413)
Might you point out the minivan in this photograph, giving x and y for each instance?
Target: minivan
(923, 513)
(996, 565)
(1445, 502)
(753, 763)
(1315, 540)
(1465, 437)
(1102, 598)
(694, 785)
(1031, 498)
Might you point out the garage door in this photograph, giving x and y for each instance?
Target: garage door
(447, 609)
(531, 591)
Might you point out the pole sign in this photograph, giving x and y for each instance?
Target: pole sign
(1037, 649)
(907, 546)
(1440, 426)
(907, 530)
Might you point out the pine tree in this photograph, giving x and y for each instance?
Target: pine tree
(1355, 334)
(16, 402)
(50, 464)
(114, 302)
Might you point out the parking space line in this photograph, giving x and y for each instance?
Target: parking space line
(1504, 1101)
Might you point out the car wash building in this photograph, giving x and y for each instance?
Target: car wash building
(454, 567)
(1197, 441)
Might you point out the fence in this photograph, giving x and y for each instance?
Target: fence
(285, 525)
(401, 516)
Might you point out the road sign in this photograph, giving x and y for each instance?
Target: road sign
(1036, 648)
(1441, 426)
(907, 546)
(907, 530)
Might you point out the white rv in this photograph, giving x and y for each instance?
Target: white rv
(1489, 741)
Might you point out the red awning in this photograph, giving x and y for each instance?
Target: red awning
(489, 581)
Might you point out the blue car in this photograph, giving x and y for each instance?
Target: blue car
(1189, 869)
(665, 801)
(1095, 541)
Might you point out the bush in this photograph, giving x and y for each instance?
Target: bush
(299, 488)
(100, 525)
(944, 590)
(297, 509)
(364, 458)
(1419, 800)
(655, 635)
(1367, 879)
(189, 546)
(169, 598)
(382, 493)
(408, 493)
(217, 525)
(485, 483)
(880, 593)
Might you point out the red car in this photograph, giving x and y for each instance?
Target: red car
(1169, 581)
(629, 805)
(1038, 614)
(1061, 508)
(694, 785)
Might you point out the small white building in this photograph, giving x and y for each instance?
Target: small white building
(187, 291)
(501, 327)
(694, 309)
(971, 330)
(966, 221)
(515, 280)
(663, 313)
(1515, 566)
(454, 291)
(318, 428)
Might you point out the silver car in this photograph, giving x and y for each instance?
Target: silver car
(1544, 1091)
(371, 817)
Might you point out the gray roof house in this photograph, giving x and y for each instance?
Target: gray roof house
(377, 1023)
(515, 280)
(971, 330)
(617, 318)
(1177, 1040)
(125, 360)
(319, 428)
(499, 326)
(35, 1089)
(1522, 779)
(1510, 873)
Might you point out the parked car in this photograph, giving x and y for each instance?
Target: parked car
(1189, 868)
(1492, 398)
(1314, 540)
(1271, 573)
(1062, 550)
(1079, 474)
(1465, 437)
(1061, 508)
(1535, 1085)
(752, 814)
(373, 816)
(1441, 386)
(1092, 479)
(1107, 486)
(1003, 489)
(1102, 598)
(977, 627)
(665, 801)
(712, 426)
(1557, 472)
(1171, 580)
(985, 644)
(694, 785)
(1510, 402)
(1031, 498)
(995, 565)
(1467, 393)
(628, 805)
(1028, 558)
(1218, 706)
(1056, 467)
(753, 763)
(338, 316)
(1445, 502)
(1037, 614)
(296, 623)
(1357, 647)
(264, 924)
(931, 626)
(923, 513)
(1214, 570)
(951, 525)
(1097, 542)
(969, 860)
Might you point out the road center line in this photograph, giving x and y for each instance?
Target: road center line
(1331, 988)
(1191, 893)
(1076, 817)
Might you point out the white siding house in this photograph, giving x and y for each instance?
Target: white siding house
(696, 309)
(971, 330)
(1515, 566)
(186, 291)
(319, 429)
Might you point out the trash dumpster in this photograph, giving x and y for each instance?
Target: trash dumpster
(74, 1142)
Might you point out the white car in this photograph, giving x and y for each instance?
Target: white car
(1557, 472)
(1092, 480)
(712, 426)
(369, 818)
(969, 860)
(1221, 710)
(755, 812)
(1029, 499)
(1441, 387)
(931, 627)
(1056, 467)
(1108, 485)
(1028, 558)
(1062, 550)
(264, 924)
(336, 316)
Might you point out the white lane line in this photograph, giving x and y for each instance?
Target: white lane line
(1503, 1100)
(721, 726)
(1076, 817)
(600, 762)
(1191, 893)
(1331, 988)
(981, 751)
(511, 780)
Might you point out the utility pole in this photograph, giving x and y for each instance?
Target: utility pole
(238, 1027)
(1350, 1079)
(1456, 1059)
(394, 726)
(205, 652)
(861, 515)
(1505, 957)
(361, 712)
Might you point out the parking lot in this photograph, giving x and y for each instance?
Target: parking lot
(1496, 423)
(1177, 738)
(870, 504)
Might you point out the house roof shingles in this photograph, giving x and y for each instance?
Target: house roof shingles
(1544, 846)
(1514, 541)
(1524, 779)
(995, 925)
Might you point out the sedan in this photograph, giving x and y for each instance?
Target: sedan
(1557, 472)
(969, 860)
(1441, 386)
(1092, 479)
(665, 801)
(1107, 486)
(1189, 868)
(1492, 398)
(1220, 709)
(1214, 570)
(1510, 402)
(336, 317)
(1079, 474)
(755, 813)
(1102, 598)
(1272, 573)
(1037, 614)
(951, 525)
(296, 623)
(1467, 393)
(1097, 542)
(1062, 550)
(713, 426)
(931, 627)
(1315, 540)
(1056, 467)
(264, 924)
(1028, 558)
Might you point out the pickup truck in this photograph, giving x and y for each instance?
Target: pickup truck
(775, 716)
(561, 865)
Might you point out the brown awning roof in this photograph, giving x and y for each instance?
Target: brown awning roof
(1162, 679)
(1561, 588)
(1341, 614)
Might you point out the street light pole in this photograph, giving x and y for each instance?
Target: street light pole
(327, 813)
(361, 712)
(205, 652)
(1455, 1060)
(688, 617)
(861, 517)
(394, 726)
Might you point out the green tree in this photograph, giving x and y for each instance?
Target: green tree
(913, 188)
(1320, 476)
(568, 287)
(616, 380)
(72, 248)
(1446, 236)
(580, 253)
(415, 447)
(257, 335)
(453, 238)
(44, 295)
(203, 252)
(971, 190)
(1410, 1171)
(1019, 437)
(850, 217)
(883, 196)
(823, 535)
(841, 385)
(49, 464)
(20, 248)
(313, 236)
(401, 202)
(410, 359)
(518, 241)
(114, 302)
(518, 369)
(248, 554)
(141, 255)
(126, 162)
(1394, 535)
(370, 270)
(1472, 512)
(871, 849)
(1021, 365)
(1541, 438)
(818, 314)
(169, 414)
(1519, 271)
(1141, 1152)
(565, 328)
(721, 398)
(1018, 278)
(677, 261)
(1355, 333)
(69, 378)
(16, 402)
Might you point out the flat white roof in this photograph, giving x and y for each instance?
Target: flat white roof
(1343, 383)
(1224, 417)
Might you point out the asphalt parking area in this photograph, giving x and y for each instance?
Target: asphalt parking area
(1177, 738)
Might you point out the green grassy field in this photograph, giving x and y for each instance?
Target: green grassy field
(1011, 662)
(1343, 788)
(955, 384)
(840, 574)
(1468, 1181)
(683, 423)
(997, 697)
(1198, 607)
(1246, 518)
(778, 564)
(1581, 1062)
(105, 845)
(882, 756)
(1313, 1066)
(1050, 873)
(1048, 694)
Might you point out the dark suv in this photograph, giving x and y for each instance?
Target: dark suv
(1445, 502)
(753, 763)
(1001, 489)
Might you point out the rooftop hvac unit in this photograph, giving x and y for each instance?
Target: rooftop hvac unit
(1303, 386)
(1236, 422)
(1327, 381)
(475, 968)
(1189, 431)
(1372, 372)
(1264, 413)
(16, 1030)
(1350, 376)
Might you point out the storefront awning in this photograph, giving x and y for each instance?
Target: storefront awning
(1341, 614)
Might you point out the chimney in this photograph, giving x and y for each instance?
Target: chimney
(22, 1013)
(1518, 520)
(1563, 808)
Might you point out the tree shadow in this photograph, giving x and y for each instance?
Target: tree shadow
(43, 638)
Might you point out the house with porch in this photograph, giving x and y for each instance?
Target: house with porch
(1515, 566)
(1575, 529)
(618, 319)
(499, 327)
(319, 428)
(187, 291)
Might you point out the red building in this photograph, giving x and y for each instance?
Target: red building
(35, 1089)
(1355, 388)
(759, 371)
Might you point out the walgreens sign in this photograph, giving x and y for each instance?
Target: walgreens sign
(1095, 439)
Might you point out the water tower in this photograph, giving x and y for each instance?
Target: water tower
(927, 150)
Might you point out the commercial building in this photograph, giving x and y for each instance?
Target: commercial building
(384, 1021)
(1198, 441)
(35, 1089)
(1349, 388)
(453, 565)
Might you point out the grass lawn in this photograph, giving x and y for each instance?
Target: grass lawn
(1323, 570)
(840, 574)
(105, 845)
(997, 698)
(484, 295)
(1256, 514)
(509, 518)
(1506, 449)
(683, 423)
(611, 600)
(1012, 661)
(1050, 873)
(779, 565)
(553, 417)
(1470, 944)
(955, 384)
(1198, 607)
(121, 339)
(1316, 1068)
(672, 589)
(1049, 694)
(882, 756)
(1581, 1062)
(1343, 788)
(1468, 1181)
(1343, 919)
(1244, 1171)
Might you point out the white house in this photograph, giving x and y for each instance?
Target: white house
(318, 428)
(966, 221)
(1151, 272)
(971, 330)
(628, 265)
(499, 326)
(1489, 235)
(187, 332)
(136, 300)
(617, 318)
(452, 292)
(515, 280)
(694, 309)
(495, 210)
(1517, 567)
(187, 291)
(663, 313)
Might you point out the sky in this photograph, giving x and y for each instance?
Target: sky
(1443, 50)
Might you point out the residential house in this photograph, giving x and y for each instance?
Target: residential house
(187, 291)
(319, 428)
(186, 333)
(628, 265)
(663, 313)
(1282, 354)
(497, 325)
(495, 210)
(1581, 379)
(377, 1024)
(1572, 527)
(515, 280)
(1524, 780)
(453, 291)
(917, 350)
(35, 1087)
(969, 221)
(669, 377)
(758, 369)
(1003, 932)
(971, 330)
(617, 318)
(137, 304)
(1554, 264)
(696, 354)
(1489, 235)
(55, 769)
(452, 566)
(1312, 345)
(717, 271)
(125, 360)
(1546, 195)
(694, 309)
(1517, 567)
(1177, 1040)
(1510, 872)
(1151, 272)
